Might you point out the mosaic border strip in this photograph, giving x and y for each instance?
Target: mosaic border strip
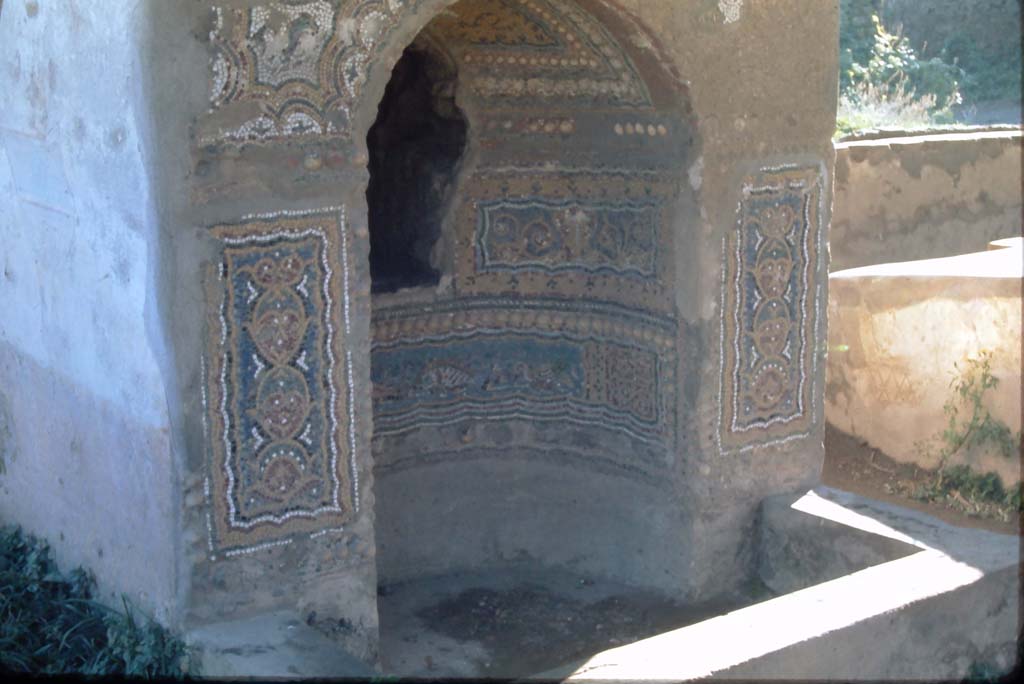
(647, 472)
(771, 309)
(278, 389)
(569, 310)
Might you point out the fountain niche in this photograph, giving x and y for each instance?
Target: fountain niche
(523, 208)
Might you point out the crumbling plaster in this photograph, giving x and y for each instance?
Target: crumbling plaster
(924, 196)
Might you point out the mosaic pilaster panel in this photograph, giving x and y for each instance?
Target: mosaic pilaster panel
(770, 312)
(279, 381)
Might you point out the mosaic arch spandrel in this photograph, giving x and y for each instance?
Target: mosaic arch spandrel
(297, 70)
(302, 65)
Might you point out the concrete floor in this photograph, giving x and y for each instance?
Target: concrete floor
(515, 623)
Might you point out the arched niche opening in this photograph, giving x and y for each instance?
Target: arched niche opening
(414, 149)
(526, 384)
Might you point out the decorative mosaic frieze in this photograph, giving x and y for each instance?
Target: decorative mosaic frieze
(619, 238)
(529, 126)
(487, 359)
(771, 301)
(279, 381)
(588, 234)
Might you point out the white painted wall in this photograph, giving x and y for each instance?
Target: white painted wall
(87, 445)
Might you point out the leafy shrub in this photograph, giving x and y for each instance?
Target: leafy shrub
(972, 485)
(856, 37)
(987, 76)
(49, 623)
(883, 83)
(893, 63)
(982, 671)
(980, 428)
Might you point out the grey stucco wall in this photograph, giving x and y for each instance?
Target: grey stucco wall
(88, 453)
(327, 577)
(922, 197)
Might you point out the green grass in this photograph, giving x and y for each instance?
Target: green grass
(50, 624)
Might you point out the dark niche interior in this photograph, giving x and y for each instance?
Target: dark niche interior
(415, 147)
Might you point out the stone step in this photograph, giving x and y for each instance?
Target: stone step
(275, 646)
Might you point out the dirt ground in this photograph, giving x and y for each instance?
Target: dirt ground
(854, 466)
(549, 628)
(516, 623)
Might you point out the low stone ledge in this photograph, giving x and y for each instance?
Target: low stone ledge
(940, 613)
(272, 646)
(798, 549)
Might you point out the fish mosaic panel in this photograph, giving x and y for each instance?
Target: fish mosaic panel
(569, 235)
(579, 233)
(482, 359)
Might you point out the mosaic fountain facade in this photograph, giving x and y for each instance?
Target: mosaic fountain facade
(624, 351)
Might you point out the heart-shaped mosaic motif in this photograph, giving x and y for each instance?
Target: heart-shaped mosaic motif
(279, 325)
(282, 403)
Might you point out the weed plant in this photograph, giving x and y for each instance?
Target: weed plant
(50, 624)
(867, 106)
(971, 428)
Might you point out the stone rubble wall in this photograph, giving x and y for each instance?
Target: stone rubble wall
(900, 335)
(896, 339)
(924, 196)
